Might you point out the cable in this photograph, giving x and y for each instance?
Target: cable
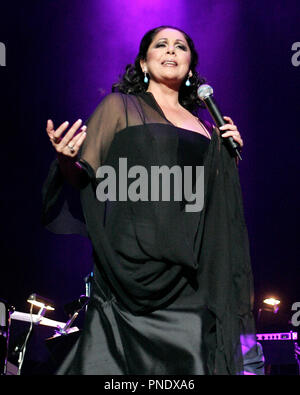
(23, 349)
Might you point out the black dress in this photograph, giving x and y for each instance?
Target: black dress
(172, 287)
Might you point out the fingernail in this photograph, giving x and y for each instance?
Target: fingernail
(83, 128)
(67, 123)
(79, 120)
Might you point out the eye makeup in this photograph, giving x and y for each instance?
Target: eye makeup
(163, 41)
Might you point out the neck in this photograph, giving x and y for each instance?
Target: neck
(165, 96)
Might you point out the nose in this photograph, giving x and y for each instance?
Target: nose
(170, 50)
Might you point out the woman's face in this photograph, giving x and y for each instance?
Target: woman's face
(168, 57)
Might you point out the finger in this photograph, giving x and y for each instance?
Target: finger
(77, 138)
(80, 139)
(238, 140)
(228, 119)
(235, 135)
(228, 126)
(50, 128)
(50, 131)
(71, 133)
(73, 147)
(231, 133)
(60, 130)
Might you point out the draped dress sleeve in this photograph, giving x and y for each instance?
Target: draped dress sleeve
(61, 207)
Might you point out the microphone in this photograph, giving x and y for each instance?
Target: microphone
(205, 93)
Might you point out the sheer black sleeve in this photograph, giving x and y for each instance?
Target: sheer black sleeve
(107, 119)
(61, 208)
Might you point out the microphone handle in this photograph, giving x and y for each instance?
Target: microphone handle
(216, 115)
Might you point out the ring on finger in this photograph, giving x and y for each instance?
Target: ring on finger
(71, 148)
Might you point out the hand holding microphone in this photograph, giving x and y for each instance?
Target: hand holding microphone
(227, 128)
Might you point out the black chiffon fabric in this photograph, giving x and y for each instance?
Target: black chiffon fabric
(172, 291)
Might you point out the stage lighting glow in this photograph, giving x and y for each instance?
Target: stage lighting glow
(272, 301)
(41, 302)
(270, 304)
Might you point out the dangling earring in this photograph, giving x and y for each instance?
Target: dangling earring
(188, 82)
(146, 79)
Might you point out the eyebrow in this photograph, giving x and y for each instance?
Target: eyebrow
(177, 40)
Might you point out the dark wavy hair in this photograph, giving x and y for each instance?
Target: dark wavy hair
(132, 81)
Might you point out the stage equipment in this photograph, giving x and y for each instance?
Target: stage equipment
(5, 312)
(279, 350)
(65, 337)
(88, 282)
(270, 305)
(37, 320)
(72, 309)
(41, 302)
(205, 93)
(277, 336)
(44, 305)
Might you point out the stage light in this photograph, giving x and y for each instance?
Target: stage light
(272, 301)
(41, 302)
(269, 304)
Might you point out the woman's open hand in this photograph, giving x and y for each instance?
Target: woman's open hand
(232, 131)
(66, 145)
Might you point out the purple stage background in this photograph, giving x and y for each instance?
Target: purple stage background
(63, 56)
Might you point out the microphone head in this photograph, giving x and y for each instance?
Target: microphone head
(204, 91)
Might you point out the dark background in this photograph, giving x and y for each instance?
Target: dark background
(63, 56)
